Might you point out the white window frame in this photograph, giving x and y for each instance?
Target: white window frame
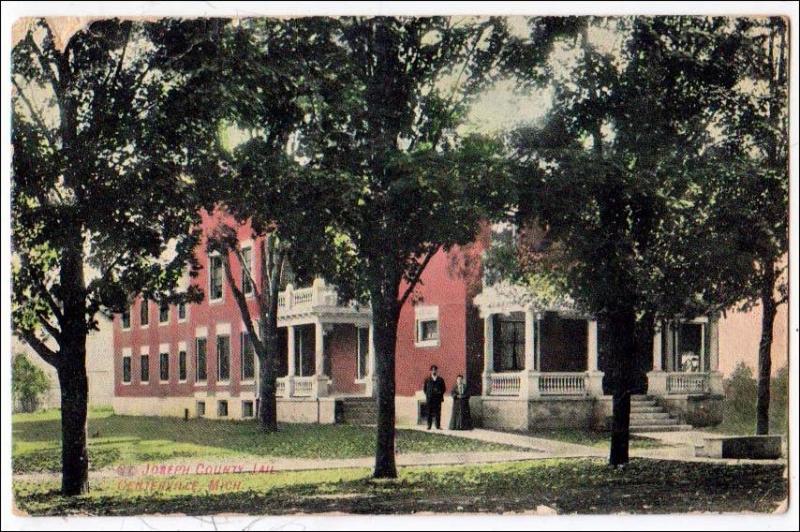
(422, 314)
(163, 349)
(130, 321)
(197, 409)
(182, 347)
(227, 408)
(163, 323)
(127, 353)
(178, 314)
(249, 380)
(197, 380)
(249, 245)
(144, 350)
(252, 406)
(146, 302)
(221, 298)
(223, 329)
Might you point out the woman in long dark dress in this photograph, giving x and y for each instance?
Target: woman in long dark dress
(461, 418)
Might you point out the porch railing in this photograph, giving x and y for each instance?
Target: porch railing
(562, 383)
(505, 383)
(303, 387)
(280, 387)
(304, 298)
(680, 383)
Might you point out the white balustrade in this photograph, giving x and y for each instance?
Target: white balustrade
(303, 387)
(280, 387)
(562, 383)
(505, 383)
(684, 383)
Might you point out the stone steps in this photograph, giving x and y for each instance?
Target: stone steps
(648, 416)
(356, 411)
(660, 428)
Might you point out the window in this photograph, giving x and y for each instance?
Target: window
(181, 311)
(689, 349)
(126, 369)
(248, 358)
(427, 326)
(222, 408)
(215, 277)
(509, 342)
(144, 313)
(247, 408)
(200, 353)
(201, 408)
(304, 344)
(223, 358)
(163, 312)
(164, 366)
(144, 363)
(182, 365)
(363, 351)
(247, 262)
(126, 318)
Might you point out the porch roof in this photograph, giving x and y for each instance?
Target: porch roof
(505, 297)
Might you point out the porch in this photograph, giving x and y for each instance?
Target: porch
(328, 345)
(533, 351)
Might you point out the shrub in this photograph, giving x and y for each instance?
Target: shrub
(28, 383)
(741, 392)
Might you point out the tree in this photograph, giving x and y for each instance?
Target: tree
(111, 140)
(398, 89)
(28, 383)
(753, 199)
(613, 183)
(273, 70)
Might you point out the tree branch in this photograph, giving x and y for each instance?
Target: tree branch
(413, 282)
(51, 329)
(241, 302)
(47, 354)
(35, 116)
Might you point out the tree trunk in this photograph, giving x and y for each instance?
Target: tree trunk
(622, 330)
(268, 406)
(384, 317)
(74, 406)
(769, 310)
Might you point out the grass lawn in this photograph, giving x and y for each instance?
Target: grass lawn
(600, 440)
(129, 440)
(564, 486)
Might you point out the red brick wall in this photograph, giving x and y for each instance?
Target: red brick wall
(341, 349)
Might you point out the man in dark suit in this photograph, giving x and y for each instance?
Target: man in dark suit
(434, 395)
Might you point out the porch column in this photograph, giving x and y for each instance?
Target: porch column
(320, 382)
(594, 383)
(657, 378)
(488, 352)
(369, 385)
(290, 354)
(715, 377)
(530, 382)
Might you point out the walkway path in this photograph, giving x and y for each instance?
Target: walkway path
(677, 446)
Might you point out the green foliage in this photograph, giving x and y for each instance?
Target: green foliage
(28, 383)
(114, 147)
(741, 390)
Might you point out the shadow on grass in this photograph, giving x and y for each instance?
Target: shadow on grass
(566, 486)
(156, 438)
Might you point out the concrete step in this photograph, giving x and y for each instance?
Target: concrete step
(356, 411)
(655, 423)
(640, 398)
(642, 416)
(645, 409)
(661, 428)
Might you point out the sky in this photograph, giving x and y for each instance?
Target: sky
(503, 107)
